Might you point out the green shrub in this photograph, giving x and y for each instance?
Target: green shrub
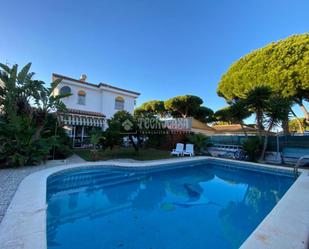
(252, 146)
(199, 140)
(29, 134)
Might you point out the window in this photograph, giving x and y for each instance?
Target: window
(65, 90)
(119, 103)
(81, 97)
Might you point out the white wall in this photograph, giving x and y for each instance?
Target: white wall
(97, 99)
(108, 103)
(93, 97)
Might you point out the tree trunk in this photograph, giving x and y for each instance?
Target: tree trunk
(259, 122)
(266, 140)
(305, 111)
(301, 128)
(243, 129)
(285, 126)
(133, 143)
(37, 134)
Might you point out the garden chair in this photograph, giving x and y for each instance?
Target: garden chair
(179, 150)
(189, 150)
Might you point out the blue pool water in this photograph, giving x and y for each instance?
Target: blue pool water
(194, 205)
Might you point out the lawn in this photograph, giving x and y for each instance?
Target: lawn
(117, 153)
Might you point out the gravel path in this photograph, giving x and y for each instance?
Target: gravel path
(10, 179)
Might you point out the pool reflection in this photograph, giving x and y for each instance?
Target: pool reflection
(228, 203)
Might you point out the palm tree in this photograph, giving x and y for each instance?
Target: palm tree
(199, 140)
(278, 108)
(94, 140)
(46, 102)
(25, 104)
(234, 114)
(238, 111)
(257, 101)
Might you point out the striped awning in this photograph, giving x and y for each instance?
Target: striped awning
(83, 118)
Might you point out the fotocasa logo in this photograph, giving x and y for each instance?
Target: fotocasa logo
(127, 125)
(153, 125)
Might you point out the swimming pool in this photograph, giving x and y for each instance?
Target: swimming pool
(200, 204)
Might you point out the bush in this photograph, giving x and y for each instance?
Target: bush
(63, 147)
(18, 146)
(253, 148)
(199, 140)
(28, 132)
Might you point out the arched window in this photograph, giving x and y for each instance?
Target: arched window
(65, 90)
(81, 95)
(119, 103)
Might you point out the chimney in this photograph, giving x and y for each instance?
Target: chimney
(83, 77)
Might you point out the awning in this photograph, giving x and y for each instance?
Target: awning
(83, 118)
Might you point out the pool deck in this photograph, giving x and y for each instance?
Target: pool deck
(10, 179)
(285, 227)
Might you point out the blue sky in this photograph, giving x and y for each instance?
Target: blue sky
(161, 48)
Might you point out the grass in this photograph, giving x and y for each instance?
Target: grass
(118, 153)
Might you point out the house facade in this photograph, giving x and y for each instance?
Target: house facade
(90, 105)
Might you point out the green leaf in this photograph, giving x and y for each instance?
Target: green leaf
(54, 84)
(6, 68)
(23, 73)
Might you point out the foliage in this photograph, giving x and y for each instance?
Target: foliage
(183, 106)
(282, 66)
(252, 145)
(204, 114)
(238, 111)
(110, 138)
(123, 124)
(154, 134)
(179, 106)
(152, 106)
(63, 146)
(222, 116)
(235, 113)
(294, 125)
(257, 101)
(95, 138)
(199, 140)
(277, 110)
(25, 135)
(188, 106)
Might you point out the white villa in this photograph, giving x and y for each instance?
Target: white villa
(90, 105)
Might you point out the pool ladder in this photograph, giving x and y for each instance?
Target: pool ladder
(296, 166)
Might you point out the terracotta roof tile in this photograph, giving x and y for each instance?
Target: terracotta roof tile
(233, 128)
(87, 113)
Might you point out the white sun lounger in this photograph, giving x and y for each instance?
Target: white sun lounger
(179, 150)
(189, 150)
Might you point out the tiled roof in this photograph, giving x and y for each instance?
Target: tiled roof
(233, 128)
(86, 113)
(196, 124)
(94, 85)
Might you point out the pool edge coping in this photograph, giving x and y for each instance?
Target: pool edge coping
(24, 224)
